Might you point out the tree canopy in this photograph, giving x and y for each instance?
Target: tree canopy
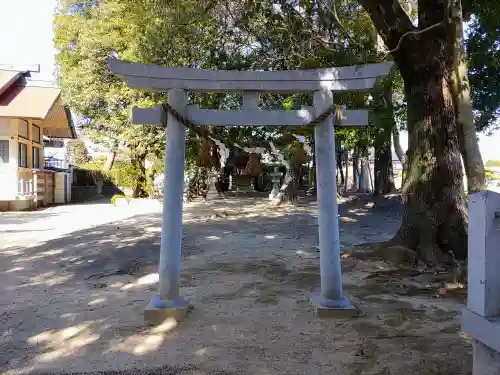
(285, 34)
(247, 34)
(483, 47)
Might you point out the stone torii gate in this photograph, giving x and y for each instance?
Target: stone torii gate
(177, 81)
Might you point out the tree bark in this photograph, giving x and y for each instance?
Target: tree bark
(139, 189)
(467, 138)
(345, 157)
(341, 171)
(399, 153)
(383, 171)
(364, 176)
(289, 190)
(435, 217)
(384, 177)
(338, 160)
(312, 172)
(110, 160)
(355, 169)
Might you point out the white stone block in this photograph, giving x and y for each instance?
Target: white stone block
(484, 254)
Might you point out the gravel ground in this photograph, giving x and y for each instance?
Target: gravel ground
(76, 279)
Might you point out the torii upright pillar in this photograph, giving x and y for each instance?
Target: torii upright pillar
(168, 303)
(331, 300)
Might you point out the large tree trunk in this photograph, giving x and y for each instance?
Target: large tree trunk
(435, 216)
(467, 138)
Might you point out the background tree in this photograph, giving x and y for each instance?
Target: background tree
(483, 54)
(88, 33)
(423, 40)
(76, 152)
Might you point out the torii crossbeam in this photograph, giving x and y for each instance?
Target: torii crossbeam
(177, 81)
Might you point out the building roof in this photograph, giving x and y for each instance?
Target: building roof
(8, 77)
(35, 100)
(28, 102)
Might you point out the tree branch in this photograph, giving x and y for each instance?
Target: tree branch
(332, 8)
(390, 20)
(413, 33)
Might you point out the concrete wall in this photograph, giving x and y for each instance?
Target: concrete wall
(19, 205)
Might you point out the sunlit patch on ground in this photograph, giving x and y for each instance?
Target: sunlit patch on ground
(74, 301)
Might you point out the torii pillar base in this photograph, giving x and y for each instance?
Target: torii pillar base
(157, 312)
(324, 308)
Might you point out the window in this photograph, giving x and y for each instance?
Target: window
(23, 155)
(4, 151)
(35, 134)
(23, 129)
(36, 157)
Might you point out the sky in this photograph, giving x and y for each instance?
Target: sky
(26, 38)
(26, 34)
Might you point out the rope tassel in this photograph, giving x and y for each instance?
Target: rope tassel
(207, 156)
(253, 167)
(300, 156)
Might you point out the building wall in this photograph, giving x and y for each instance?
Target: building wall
(8, 131)
(8, 171)
(30, 142)
(12, 172)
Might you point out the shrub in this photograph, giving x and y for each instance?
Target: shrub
(493, 163)
(491, 176)
(124, 174)
(115, 197)
(95, 173)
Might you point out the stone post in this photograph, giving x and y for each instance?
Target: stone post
(212, 180)
(168, 303)
(276, 180)
(481, 318)
(331, 300)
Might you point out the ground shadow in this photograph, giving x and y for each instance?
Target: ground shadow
(76, 301)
